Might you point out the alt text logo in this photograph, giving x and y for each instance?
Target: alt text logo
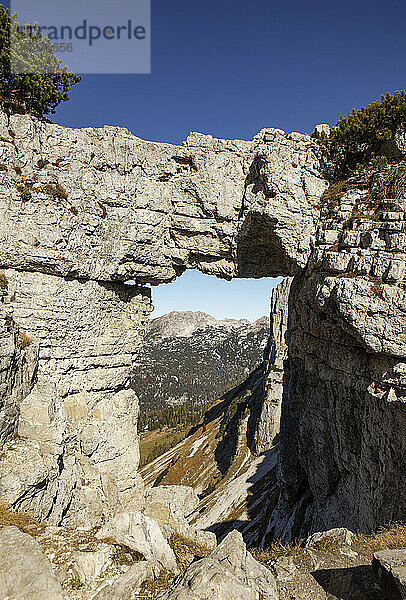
(95, 36)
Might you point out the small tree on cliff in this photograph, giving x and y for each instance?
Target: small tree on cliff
(368, 131)
(32, 78)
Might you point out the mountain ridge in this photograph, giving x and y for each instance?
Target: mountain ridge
(192, 358)
(184, 323)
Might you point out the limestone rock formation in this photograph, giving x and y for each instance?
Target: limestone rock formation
(181, 499)
(266, 410)
(390, 569)
(229, 573)
(24, 571)
(142, 534)
(82, 211)
(76, 449)
(186, 323)
(88, 566)
(104, 205)
(344, 398)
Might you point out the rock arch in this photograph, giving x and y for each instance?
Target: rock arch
(84, 210)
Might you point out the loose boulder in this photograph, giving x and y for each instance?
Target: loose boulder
(142, 534)
(229, 573)
(390, 569)
(25, 573)
(340, 534)
(129, 585)
(169, 506)
(181, 499)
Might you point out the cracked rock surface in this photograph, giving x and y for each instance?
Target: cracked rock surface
(82, 211)
(229, 573)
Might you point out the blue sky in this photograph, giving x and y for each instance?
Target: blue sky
(229, 68)
(236, 299)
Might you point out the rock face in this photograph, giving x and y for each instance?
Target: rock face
(81, 211)
(229, 573)
(344, 398)
(24, 571)
(266, 410)
(390, 569)
(191, 357)
(76, 453)
(18, 363)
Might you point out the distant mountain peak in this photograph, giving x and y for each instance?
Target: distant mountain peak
(192, 358)
(185, 323)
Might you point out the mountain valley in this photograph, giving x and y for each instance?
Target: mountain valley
(192, 358)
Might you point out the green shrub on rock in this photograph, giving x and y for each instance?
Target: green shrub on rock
(367, 131)
(373, 123)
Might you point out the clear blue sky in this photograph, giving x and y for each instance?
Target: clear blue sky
(229, 68)
(236, 299)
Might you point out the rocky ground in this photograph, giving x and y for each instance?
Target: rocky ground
(134, 558)
(130, 557)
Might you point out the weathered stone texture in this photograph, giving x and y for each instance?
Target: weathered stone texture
(342, 441)
(390, 570)
(24, 570)
(82, 209)
(147, 211)
(76, 452)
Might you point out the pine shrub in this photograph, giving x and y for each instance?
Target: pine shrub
(42, 82)
(366, 132)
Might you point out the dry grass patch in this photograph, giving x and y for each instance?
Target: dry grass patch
(386, 538)
(151, 589)
(123, 555)
(72, 584)
(3, 281)
(277, 549)
(56, 191)
(377, 286)
(155, 443)
(333, 194)
(23, 521)
(183, 548)
(24, 339)
(25, 191)
(328, 544)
